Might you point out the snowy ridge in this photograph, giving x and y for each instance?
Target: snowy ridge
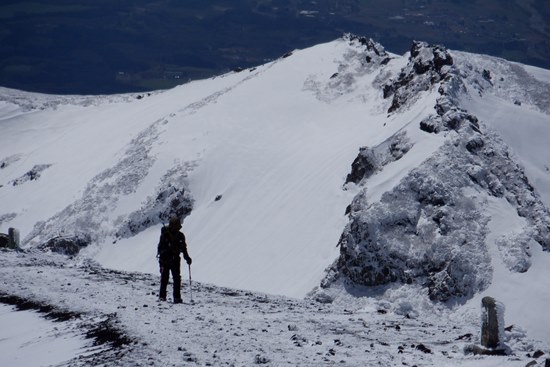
(261, 165)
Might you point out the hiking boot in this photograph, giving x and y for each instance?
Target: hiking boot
(178, 300)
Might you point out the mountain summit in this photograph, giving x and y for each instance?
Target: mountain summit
(336, 168)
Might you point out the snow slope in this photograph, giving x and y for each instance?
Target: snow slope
(274, 142)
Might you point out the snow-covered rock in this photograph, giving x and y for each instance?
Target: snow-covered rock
(422, 231)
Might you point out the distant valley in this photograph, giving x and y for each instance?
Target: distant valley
(103, 47)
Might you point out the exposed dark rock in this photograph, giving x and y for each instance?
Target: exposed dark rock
(468, 336)
(486, 74)
(33, 174)
(475, 144)
(477, 350)
(322, 297)
(427, 66)
(49, 311)
(67, 245)
(106, 333)
(441, 285)
(370, 160)
(539, 353)
(259, 359)
(4, 240)
(431, 125)
(421, 347)
(374, 52)
(363, 166)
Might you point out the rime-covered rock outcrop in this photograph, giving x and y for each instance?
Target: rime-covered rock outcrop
(431, 228)
(87, 220)
(31, 175)
(370, 160)
(427, 66)
(172, 197)
(66, 245)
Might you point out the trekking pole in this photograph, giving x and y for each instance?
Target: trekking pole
(190, 283)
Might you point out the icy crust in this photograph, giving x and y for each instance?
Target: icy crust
(127, 326)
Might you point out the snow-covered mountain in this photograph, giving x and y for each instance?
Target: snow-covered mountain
(342, 173)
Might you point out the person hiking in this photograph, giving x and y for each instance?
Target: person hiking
(171, 243)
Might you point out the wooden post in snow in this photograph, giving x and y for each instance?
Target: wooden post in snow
(13, 235)
(490, 328)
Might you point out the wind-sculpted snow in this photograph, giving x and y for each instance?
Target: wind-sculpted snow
(362, 58)
(5, 162)
(503, 79)
(88, 215)
(7, 217)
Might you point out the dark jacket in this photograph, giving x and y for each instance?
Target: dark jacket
(170, 245)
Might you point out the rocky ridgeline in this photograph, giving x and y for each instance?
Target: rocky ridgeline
(422, 232)
(427, 66)
(363, 57)
(373, 53)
